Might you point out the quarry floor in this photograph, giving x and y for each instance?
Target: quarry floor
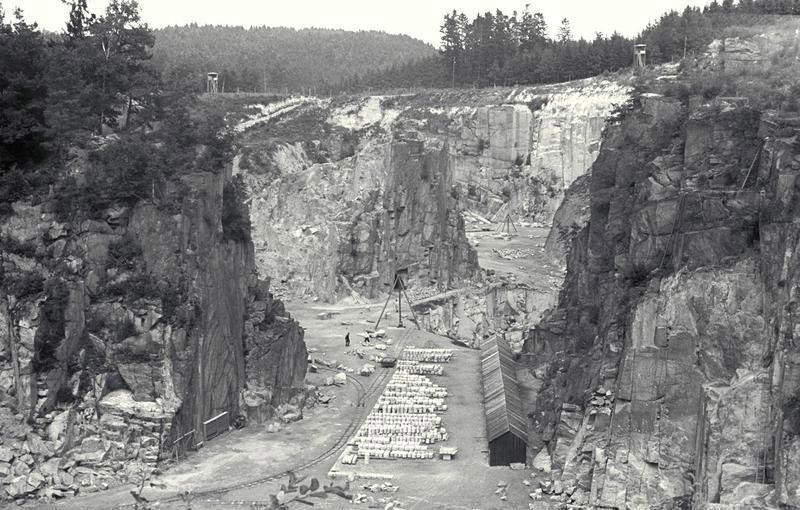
(518, 256)
(467, 482)
(244, 455)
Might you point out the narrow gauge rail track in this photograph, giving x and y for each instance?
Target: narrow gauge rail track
(364, 394)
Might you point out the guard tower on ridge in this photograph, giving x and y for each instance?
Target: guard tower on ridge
(639, 55)
(212, 83)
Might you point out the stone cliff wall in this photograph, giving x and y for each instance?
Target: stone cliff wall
(349, 225)
(123, 333)
(519, 157)
(323, 179)
(667, 370)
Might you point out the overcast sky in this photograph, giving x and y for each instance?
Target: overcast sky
(417, 18)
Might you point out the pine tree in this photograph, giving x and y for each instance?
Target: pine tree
(124, 44)
(453, 42)
(79, 19)
(531, 29)
(564, 32)
(22, 90)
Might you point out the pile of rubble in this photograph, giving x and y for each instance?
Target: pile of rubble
(340, 379)
(386, 503)
(568, 495)
(71, 451)
(373, 502)
(602, 398)
(421, 293)
(512, 253)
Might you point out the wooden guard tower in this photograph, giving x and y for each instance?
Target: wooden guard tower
(639, 55)
(212, 83)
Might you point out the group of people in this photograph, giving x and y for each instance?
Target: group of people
(347, 340)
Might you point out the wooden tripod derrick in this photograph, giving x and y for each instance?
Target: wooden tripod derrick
(507, 225)
(400, 287)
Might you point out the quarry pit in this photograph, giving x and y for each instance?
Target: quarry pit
(594, 281)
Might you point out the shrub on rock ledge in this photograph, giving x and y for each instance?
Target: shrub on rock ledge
(235, 215)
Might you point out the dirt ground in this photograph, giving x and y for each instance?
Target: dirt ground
(534, 268)
(467, 482)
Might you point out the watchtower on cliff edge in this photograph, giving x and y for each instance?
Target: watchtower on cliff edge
(639, 55)
(212, 83)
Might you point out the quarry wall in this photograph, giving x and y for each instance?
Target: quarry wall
(150, 323)
(667, 371)
(324, 198)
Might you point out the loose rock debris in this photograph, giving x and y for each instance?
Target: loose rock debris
(512, 254)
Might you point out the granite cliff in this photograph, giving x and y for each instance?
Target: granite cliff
(666, 376)
(345, 191)
(124, 333)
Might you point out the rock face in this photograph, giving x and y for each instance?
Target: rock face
(521, 156)
(122, 337)
(475, 312)
(339, 190)
(667, 369)
(570, 217)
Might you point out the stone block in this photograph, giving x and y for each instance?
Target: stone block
(732, 476)
(37, 446)
(66, 478)
(19, 468)
(18, 487)
(50, 468)
(60, 430)
(36, 480)
(6, 454)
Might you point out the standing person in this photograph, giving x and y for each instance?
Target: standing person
(347, 339)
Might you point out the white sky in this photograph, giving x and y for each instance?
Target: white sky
(417, 18)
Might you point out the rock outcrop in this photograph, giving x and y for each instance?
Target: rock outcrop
(667, 370)
(123, 335)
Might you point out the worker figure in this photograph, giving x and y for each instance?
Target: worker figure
(347, 339)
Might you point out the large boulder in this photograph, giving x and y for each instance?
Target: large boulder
(140, 379)
(92, 451)
(6, 454)
(36, 479)
(18, 487)
(60, 430)
(37, 446)
(50, 469)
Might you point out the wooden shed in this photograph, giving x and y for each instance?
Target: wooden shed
(505, 419)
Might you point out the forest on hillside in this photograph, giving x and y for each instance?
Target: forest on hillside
(278, 59)
(495, 48)
(59, 91)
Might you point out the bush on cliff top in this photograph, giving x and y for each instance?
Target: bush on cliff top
(235, 215)
(141, 167)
